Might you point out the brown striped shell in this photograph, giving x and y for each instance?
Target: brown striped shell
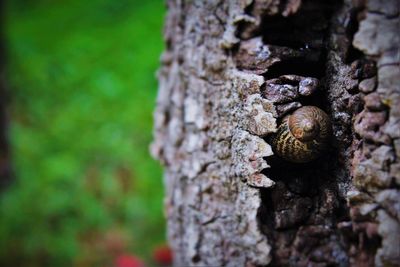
(303, 135)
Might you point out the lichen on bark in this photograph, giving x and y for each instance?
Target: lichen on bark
(205, 134)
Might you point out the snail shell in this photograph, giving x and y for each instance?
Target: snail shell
(303, 135)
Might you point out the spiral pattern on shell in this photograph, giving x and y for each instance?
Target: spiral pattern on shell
(303, 135)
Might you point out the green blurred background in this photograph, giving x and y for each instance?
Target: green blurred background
(81, 76)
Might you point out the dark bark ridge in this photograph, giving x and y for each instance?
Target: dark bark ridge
(230, 73)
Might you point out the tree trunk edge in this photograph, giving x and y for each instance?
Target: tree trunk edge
(211, 119)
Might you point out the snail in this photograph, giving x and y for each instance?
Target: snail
(303, 135)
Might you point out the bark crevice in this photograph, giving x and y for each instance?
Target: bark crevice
(231, 71)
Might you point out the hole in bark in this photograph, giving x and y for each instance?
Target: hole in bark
(288, 32)
(353, 54)
(301, 67)
(305, 29)
(196, 259)
(294, 213)
(298, 207)
(352, 28)
(249, 8)
(300, 178)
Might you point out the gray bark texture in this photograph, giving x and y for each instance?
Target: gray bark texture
(230, 72)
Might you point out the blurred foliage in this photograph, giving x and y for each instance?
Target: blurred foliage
(82, 82)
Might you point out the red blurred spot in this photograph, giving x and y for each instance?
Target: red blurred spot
(163, 255)
(128, 261)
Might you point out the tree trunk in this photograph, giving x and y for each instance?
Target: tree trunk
(231, 71)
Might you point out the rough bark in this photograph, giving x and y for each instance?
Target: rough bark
(230, 72)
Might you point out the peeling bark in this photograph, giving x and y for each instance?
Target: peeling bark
(230, 72)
